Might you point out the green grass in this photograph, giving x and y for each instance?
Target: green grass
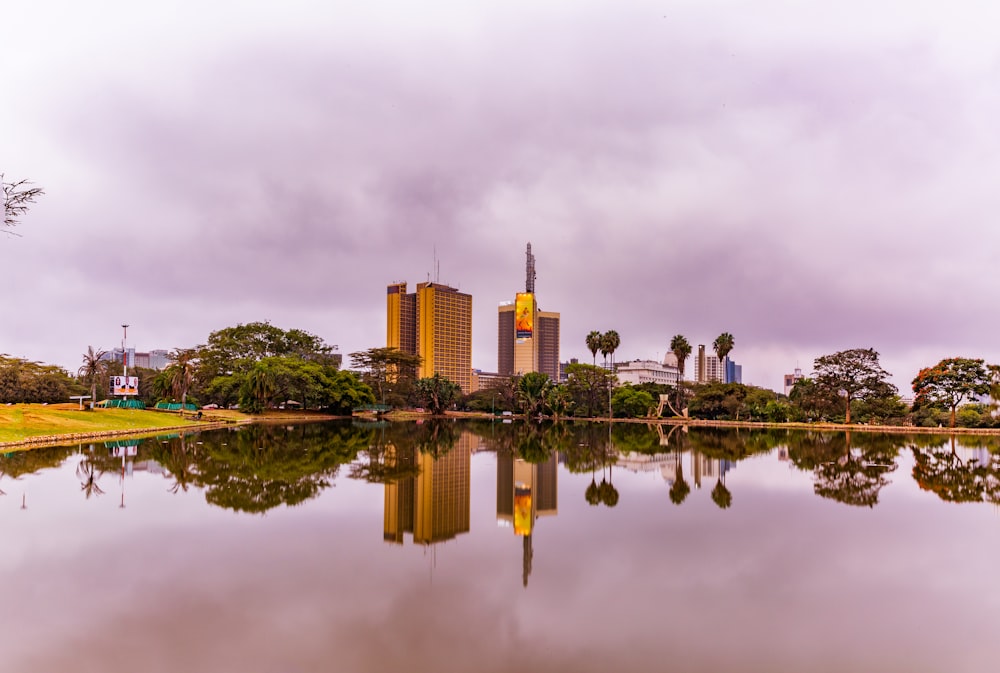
(22, 421)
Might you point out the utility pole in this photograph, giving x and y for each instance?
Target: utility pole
(124, 359)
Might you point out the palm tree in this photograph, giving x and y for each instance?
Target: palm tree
(594, 344)
(609, 344)
(723, 344)
(92, 368)
(181, 373)
(681, 349)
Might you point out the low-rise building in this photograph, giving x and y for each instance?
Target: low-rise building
(647, 371)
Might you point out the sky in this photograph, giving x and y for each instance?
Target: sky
(807, 177)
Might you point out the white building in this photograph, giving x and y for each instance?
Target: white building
(647, 371)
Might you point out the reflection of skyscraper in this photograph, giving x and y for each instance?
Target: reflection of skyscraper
(434, 505)
(525, 492)
(703, 467)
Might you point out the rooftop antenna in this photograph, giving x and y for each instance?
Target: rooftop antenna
(529, 282)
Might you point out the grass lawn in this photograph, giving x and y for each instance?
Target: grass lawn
(20, 421)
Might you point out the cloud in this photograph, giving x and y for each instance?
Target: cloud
(802, 181)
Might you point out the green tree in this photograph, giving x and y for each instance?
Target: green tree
(950, 382)
(594, 344)
(92, 370)
(532, 389)
(628, 402)
(558, 401)
(812, 402)
(723, 346)
(16, 197)
(854, 374)
(181, 372)
(586, 385)
(258, 390)
(681, 349)
(609, 344)
(389, 371)
(437, 392)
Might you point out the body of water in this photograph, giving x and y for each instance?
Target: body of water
(501, 547)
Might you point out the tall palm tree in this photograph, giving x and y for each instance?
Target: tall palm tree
(681, 349)
(609, 344)
(91, 370)
(181, 373)
(594, 344)
(723, 345)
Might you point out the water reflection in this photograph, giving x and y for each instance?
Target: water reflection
(957, 472)
(425, 467)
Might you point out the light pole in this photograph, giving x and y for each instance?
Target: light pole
(124, 362)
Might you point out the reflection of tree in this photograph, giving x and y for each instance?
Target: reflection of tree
(680, 488)
(29, 461)
(88, 474)
(721, 495)
(389, 451)
(173, 455)
(260, 467)
(733, 445)
(942, 471)
(853, 475)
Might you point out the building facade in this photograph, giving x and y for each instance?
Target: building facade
(646, 371)
(435, 322)
(792, 379)
(527, 338)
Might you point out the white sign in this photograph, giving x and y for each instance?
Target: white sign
(124, 385)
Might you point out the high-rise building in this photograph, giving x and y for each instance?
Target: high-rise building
(435, 322)
(792, 379)
(709, 368)
(527, 338)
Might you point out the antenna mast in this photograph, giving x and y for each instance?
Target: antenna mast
(529, 283)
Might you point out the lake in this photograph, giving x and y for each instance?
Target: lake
(490, 546)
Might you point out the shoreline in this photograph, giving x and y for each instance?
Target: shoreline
(40, 441)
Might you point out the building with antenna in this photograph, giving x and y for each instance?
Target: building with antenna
(435, 322)
(527, 338)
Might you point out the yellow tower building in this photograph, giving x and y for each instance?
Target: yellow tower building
(435, 322)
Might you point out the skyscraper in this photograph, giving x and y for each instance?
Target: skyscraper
(527, 338)
(435, 322)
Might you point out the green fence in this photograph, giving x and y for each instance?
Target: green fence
(123, 404)
(174, 406)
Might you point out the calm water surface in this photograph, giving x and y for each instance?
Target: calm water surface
(501, 547)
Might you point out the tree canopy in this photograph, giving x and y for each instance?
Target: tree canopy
(950, 382)
(853, 374)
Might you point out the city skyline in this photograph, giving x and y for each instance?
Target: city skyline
(805, 180)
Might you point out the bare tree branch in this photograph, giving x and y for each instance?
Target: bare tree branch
(16, 197)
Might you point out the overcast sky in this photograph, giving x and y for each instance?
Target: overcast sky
(807, 176)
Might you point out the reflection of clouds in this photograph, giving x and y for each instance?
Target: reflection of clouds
(631, 588)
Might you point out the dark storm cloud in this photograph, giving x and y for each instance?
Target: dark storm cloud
(675, 172)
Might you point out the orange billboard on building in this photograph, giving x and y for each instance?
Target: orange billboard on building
(522, 510)
(524, 316)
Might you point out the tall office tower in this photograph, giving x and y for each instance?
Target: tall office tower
(401, 319)
(435, 322)
(710, 368)
(527, 338)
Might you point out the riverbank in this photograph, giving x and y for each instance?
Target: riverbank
(25, 426)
